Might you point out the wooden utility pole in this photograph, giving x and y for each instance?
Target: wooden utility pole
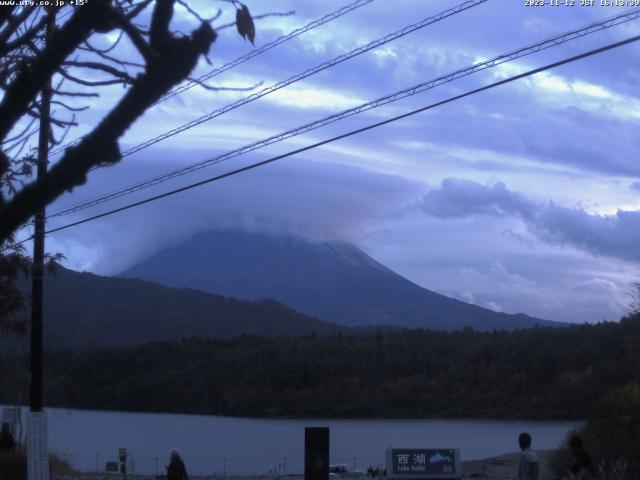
(38, 456)
(38, 256)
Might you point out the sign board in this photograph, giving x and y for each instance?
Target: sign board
(37, 454)
(112, 467)
(316, 453)
(438, 463)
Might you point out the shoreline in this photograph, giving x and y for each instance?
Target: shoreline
(500, 467)
(504, 466)
(505, 419)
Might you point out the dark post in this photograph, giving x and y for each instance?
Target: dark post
(37, 454)
(38, 249)
(316, 453)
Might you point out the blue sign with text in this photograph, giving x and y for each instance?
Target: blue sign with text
(423, 463)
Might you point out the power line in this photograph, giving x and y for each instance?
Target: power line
(353, 53)
(430, 84)
(298, 31)
(307, 73)
(238, 61)
(348, 134)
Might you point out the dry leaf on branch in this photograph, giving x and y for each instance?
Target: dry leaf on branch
(244, 23)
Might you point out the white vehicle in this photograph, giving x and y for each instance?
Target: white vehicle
(343, 470)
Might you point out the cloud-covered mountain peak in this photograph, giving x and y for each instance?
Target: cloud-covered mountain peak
(330, 280)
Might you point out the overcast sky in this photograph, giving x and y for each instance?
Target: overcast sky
(525, 198)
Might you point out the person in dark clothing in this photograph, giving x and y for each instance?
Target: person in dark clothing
(529, 468)
(176, 469)
(7, 443)
(582, 467)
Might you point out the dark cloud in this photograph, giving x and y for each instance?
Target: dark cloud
(508, 121)
(515, 120)
(469, 259)
(321, 200)
(479, 242)
(459, 198)
(612, 235)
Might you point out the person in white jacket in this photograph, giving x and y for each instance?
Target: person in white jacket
(529, 468)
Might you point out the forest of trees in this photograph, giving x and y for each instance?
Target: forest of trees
(545, 373)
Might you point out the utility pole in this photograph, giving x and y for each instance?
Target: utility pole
(37, 452)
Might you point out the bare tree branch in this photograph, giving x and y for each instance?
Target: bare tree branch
(159, 31)
(69, 107)
(15, 137)
(123, 76)
(28, 63)
(100, 146)
(117, 61)
(136, 37)
(197, 15)
(91, 83)
(91, 48)
(137, 9)
(5, 13)
(24, 38)
(56, 121)
(14, 23)
(31, 79)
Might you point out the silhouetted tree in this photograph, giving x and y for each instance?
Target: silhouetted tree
(634, 304)
(40, 45)
(552, 373)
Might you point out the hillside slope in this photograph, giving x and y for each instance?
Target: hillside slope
(550, 373)
(83, 310)
(332, 281)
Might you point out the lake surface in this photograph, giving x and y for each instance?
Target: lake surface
(233, 446)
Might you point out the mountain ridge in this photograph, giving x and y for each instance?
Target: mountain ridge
(84, 311)
(330, 280)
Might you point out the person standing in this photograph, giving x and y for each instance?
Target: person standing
(176, 469)
(7, 443)
(582, 467)
(529, 467)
